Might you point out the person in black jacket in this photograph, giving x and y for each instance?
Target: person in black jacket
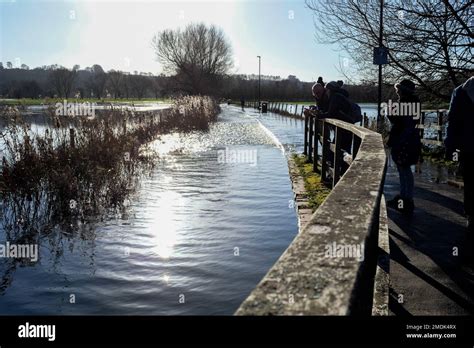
(460, 144)
(338, 104)
(339, 107)
(404, 141)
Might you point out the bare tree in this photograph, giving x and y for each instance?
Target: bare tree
(115, 83)
(198, 56)
(140, 85)
(96, 83)
(126, 86)
(156, 86)
(62, 80)
(430, 42)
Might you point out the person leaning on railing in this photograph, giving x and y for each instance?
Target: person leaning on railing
(333, 102)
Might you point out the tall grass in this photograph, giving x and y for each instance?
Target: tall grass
(50, 178)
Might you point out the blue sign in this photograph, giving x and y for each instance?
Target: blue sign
(380, 55)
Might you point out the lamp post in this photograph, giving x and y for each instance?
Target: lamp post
(259, 64)
(379, 97)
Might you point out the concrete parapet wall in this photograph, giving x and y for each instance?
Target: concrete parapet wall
(312, 277)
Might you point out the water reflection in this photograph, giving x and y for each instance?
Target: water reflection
(165, 224)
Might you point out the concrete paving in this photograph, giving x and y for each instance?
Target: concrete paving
(427, 274)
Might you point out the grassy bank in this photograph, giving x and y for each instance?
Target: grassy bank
(315, 189)
(43, 101)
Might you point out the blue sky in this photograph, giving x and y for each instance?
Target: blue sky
(117, 34)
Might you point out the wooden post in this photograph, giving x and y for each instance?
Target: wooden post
(310, 139)
(337, 156)
(72, 138)
(124, 126)
(325, 151)
(440, 125)
(422, 125)
(305, 148)
(344, 134)
(316, 143)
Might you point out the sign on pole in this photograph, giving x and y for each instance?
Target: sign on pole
(380, 55)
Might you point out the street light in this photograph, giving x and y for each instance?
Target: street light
(379, 96)
(259, 62)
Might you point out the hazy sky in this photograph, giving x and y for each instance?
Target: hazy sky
(117, 34)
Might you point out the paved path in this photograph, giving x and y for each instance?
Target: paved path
(425, 275)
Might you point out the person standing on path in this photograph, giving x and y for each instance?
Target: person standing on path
(405, 143)
(460, 146)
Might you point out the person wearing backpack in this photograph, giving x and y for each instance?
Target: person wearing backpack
(341, 108)
(405, 143)
(339, 105)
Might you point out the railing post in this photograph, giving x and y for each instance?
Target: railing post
(325, 151)
(422, 125)
(310, 139)
(315, 146)
(305, 147)
(337, 155)
(346, 146)
(440, 125)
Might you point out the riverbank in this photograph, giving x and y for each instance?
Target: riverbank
(309, 191)
(98, 101)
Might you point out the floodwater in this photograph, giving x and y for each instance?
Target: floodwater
(198, 234)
